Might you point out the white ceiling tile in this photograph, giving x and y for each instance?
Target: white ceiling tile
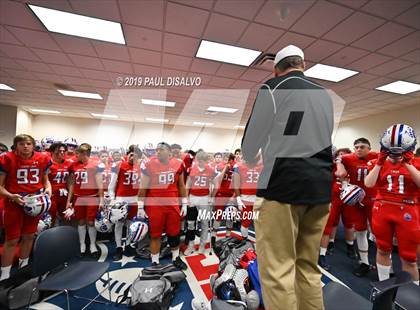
(86, 62)
(117, 66)
(17, 14)
(345, 56)
(75, 45)
(10, 64)
(352, 3)
(107, 10)
(382, 36)
(34, 66)
(19, 74)
(180, 45)
(145, 57)
(32, 38)
(282, 14)
(254, 75)
(66, 70)
(259, 37)
(248, 9)
(230, 71)
(53, 57)
(410, 17)
(224, 29)
(221, 82)
(406, 73)
(95, 74)
(19, 52)
(413, 56)
(177, 22)
(204, 66)
(291, 38)
(176, 62)
(310, 24)
(146, 70)
(240, 84)
(387, 9)
(111, 51)
(142, 13)
(7, 37)
(143, 37)
(203, 4)
(321, 49)
(402, 46)
(388, 67)
(369, 61)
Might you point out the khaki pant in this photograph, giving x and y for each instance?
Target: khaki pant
(287, 242)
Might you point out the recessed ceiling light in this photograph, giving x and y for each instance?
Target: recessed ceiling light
(221, 109)
(78, 94)
(239, 127)
(79, 25)
(6, 87)
(104, 115)
(329, 73)
(203, 124)
(226, 53)
(161, 103)
(400, 87)
(157, 120)
(45, 111)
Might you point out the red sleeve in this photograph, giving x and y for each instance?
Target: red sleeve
(371, 164)
(71, 168)
(346, 159)
(4, 163)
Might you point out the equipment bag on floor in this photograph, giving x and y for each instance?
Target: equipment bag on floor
(233, 253)
(217, 304)
(15, 291)
(154, 289)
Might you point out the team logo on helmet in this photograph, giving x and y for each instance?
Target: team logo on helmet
(36, 205)
(118, 211)
(352, 194)
(399, 138)
(137, 231)
(102, 224)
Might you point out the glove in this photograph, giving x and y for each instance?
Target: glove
(141, 214)
(184, 207)
(382, 157)
(408, 157)
(240, 204)
(68, 213)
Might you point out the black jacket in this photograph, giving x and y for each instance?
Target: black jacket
(292, 123)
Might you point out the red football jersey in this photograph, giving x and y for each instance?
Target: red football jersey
(84, 177)
(225, 186)
(163, 181)
(72, 157)
(58, 174)
(24, 176)
(395, 183)
(249, 176)
(201, 179)
(358, 170)
(106, 176)
(128, 181)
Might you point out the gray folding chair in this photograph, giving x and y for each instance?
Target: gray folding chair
(57, 253)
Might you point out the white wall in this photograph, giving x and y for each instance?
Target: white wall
(7, 124)
(117, 133)
(373, 126)
(23, 122)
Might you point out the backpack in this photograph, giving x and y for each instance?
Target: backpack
(233, 253)
(154, 289)
(143, 248)
(16, 291)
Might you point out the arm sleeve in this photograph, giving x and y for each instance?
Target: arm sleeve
(259, 124)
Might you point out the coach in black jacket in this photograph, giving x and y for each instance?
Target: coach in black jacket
(291, 124)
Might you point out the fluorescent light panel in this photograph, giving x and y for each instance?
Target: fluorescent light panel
(161, 103)
(104, 115)
(329, 73)
(157, 120)
(226, 53)
(221, 109)
(45, 111)
(400, 87)
(79, 25)
(6, 87)
(203, 124)
(78, 94)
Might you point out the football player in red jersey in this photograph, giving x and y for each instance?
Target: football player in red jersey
(22, 172)
(161, 186)
(124, 186)
(3, 150)
(198, 186)
(416, 163)
(71, 148)
(59, 172)
(223, 193)
(245, 179)
(238, 155)
(355, 166)
(85, 195)
(396, 207)
(106, 174)
(217, 159)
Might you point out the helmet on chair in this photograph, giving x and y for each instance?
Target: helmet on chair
(118, 211)
(45, 222)
(137, 231)
(399, 138)
(352, 194)
(36, 205)
(102, 224)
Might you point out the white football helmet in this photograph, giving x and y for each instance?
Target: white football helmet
(36, 205)
(71, 142)
(137, 231)
(399, 138)
(231, 212)
(47, 142)
(45, 222)
(118, 211)
(102, 223)
(149, 149)
(352, 194)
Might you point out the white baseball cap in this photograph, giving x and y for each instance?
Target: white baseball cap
(289, 50)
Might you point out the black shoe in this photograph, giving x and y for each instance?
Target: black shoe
(213, 242)
(95, 255)
(118, 254)
(330, 248)
(361, 270)
(322, 262)
(130, 251)
(351, 252)
(178, 263)
(154, 264)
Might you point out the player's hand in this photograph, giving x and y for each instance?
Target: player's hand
(141, 214)
(68, 213)
(184, 209)
(408, 157)
(241, 205)
(101, 204)
(382, 156)
(16, 198)
(48, 192)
